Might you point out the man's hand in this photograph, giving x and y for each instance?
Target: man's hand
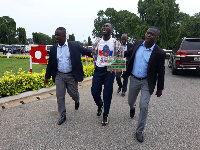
(46, 81)
(158, 93)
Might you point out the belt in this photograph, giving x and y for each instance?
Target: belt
(68, 72)
(138, 78)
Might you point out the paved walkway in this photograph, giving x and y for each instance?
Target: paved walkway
(173, 124)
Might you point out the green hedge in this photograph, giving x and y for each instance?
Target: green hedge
(11, 84)
(16, 56)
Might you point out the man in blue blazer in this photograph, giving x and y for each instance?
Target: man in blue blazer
(66, 69)
(146, 67)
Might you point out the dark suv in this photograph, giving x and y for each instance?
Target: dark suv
(185, 55)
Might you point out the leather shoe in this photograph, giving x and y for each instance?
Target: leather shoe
(132, 113)
(123, 94)
(61, 120)
(119, 89)
(77, 105)
(139, 137)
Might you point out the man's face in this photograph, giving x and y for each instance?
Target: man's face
(107, 29)
(124, 40)
(151, 36)
(60, 36)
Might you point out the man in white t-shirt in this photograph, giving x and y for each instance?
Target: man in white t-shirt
(102, 49)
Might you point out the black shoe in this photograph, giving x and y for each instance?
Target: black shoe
(77, 105)
(139, 137)
(132, 113)
(61, 120)
(119, 90)
(123, 94)
(105, 120)
(99, 110)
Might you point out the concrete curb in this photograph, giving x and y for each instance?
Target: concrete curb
(31, 93)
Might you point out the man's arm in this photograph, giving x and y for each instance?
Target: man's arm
(85, 51)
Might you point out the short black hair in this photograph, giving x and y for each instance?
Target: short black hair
(156, 28)
(62, 29)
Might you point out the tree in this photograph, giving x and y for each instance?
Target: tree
(122, 21)
(21, 35)
(164, 15)
(41, 38)
(89, 41)
(71, 37)
(29, 41)
(9, 25)
(53, 39)
(4, 31)
(191, 26)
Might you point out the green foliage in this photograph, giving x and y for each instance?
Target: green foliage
(13, 64)
(191, 26)
(84, 59)
(89, 41)
(71, 37)
(7, 30)
(123, 22)
(4, 31)
(41, 38)
(29, 41)
(21, 33)
(11, 84)
(88, 70)
(16, 56)
(163, 14)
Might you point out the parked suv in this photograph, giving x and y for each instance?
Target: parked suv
(185, 55)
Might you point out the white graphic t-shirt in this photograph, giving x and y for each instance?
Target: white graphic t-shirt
(105, 49)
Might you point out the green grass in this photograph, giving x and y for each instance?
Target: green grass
(14, 65)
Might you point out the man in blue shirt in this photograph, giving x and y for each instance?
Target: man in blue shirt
(66, 69)
(146, 67)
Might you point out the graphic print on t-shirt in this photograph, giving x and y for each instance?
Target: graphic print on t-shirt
(105, 49)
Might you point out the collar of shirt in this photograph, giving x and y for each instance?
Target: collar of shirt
(66, 43)
(124, 44)
(151, 49)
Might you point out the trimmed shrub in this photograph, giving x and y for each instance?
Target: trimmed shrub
(11, 84)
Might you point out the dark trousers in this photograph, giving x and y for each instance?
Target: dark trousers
(103, 77)
(119, 82)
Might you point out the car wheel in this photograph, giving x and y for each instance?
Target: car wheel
(174, 71)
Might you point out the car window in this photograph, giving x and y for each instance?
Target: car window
(177, 46)
(191, 44)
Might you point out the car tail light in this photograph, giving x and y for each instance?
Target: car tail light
(177, 62)
(179, 53)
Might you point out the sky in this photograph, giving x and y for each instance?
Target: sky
(77, 16)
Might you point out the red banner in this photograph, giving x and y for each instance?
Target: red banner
(39, 54)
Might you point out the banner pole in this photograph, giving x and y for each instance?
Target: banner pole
(30, 63)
